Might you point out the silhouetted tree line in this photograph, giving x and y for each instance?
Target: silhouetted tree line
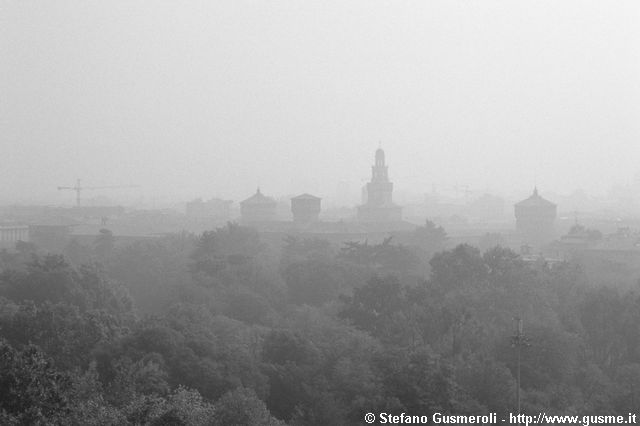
(221, 329)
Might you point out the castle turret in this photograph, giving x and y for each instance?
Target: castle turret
(305, 208)
(535, 220)
(258, 208)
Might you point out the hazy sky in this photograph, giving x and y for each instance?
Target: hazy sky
(212, 98)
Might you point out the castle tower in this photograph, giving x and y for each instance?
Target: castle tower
(377, 204)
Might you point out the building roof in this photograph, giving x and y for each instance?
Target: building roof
(258, 199)
(54, 221)
(216, 201)
(339, 227)
(535, 200)
(620, 244)
(306, 196)
(13, 226)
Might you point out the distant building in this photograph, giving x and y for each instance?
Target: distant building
(612, 258)
(377, 204)
(51, 233)
(535, 220)
(258, 208)
(10, 234)
(93, 211)
(28, 214)
(336, 232)
(305, 208)
(214, 208)
(486, 208)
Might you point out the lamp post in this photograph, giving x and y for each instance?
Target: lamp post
(518, 340)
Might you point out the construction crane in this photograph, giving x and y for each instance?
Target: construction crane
(79, 188)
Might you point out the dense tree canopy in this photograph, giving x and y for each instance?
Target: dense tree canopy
(224, 329)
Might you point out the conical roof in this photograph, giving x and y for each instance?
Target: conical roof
(535, 200)
(258, 198)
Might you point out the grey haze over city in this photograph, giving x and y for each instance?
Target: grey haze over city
(319, 213)
(212, 99)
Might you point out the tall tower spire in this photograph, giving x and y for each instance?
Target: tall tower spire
(379, 169)
(377, 195)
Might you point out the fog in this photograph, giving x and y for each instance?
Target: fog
(204, 98)
(319, 213)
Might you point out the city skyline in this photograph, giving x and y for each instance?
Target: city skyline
(220, 98)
